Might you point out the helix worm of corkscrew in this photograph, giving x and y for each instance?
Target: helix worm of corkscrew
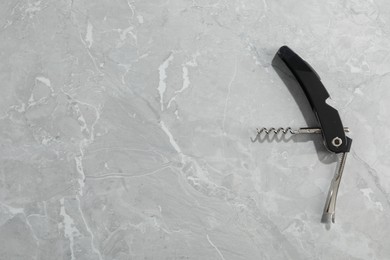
(287, 62)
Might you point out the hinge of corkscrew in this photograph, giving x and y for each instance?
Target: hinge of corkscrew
(331, 128)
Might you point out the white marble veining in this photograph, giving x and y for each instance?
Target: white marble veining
(126, 126)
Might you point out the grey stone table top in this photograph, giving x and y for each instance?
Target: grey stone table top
(126, 126)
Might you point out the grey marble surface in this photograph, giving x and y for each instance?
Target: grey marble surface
(126, 126)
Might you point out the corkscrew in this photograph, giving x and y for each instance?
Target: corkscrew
(290, 66)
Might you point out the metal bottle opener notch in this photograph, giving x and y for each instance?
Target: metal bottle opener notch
(330, 125)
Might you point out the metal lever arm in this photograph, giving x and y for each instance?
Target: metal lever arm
(330, 204)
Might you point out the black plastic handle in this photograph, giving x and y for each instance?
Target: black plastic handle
(328, 117)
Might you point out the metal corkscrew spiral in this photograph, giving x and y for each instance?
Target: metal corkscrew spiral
(274, 130)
